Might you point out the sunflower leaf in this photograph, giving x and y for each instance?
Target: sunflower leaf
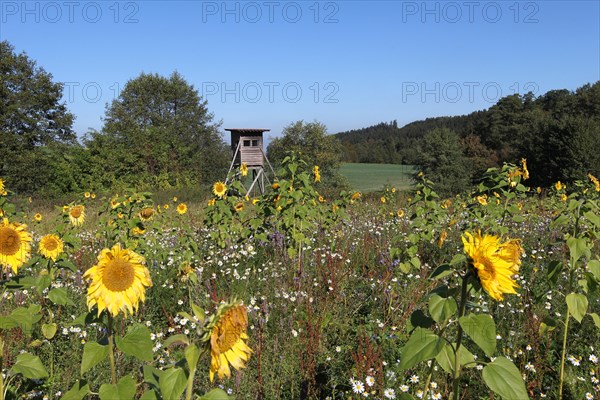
(136, 343)
(79, 390)
(215, 394)
(192, 355)
(49, 330)
(59, 296)
(441, 308)
(578, 247)
(422, 345)
(418, 318)
(179, 339)
(29, 366)
(446, 357)
(594, 267)
(93, 353)
(124, 389)
(172, 383)
(596, 319)
(481, 328)
(504, 378)
(547, 325)
(577, 304)
(150, 395)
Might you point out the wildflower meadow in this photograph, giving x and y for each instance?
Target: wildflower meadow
(300, 293)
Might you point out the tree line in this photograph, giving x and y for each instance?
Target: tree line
(159, 134)
(556, 133)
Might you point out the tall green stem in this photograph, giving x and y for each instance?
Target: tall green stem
(567, 316)
(1, 363)
(562, 358)
(189, 390)
(111, 352)
(459, 335)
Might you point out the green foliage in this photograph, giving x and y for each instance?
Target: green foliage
(35, 125)
(556, 133)
(443, 161)
(504, 378)
(310, 142)
(157, 134)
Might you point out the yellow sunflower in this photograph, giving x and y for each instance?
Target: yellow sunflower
(137, 231)
(244, 169)
(51, 246)
(15, 245)
(182, 208)
(146, 213)
(442, 238)
(219, 189)
(595, 182)
(118, 281)
(563, 197)
(87, 195)
(559, 186)
(77, 215)
(212, 202)
(238, 207)
(317, 173)
(275, 185)
(356, 196)
(524, 168)
(494, 262)
(226, 336)
(482, 200)
(37, 217)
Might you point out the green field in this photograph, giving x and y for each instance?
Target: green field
(373, 177)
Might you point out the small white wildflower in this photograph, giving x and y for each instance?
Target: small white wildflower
(389, 394)
(357, 386)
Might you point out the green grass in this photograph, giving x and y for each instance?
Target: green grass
(373, 177)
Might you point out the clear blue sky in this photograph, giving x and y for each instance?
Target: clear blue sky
(347, 64)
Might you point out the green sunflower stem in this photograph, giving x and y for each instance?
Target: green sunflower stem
(562, 358)
(565, 334)
(111, 351)
(459, 335)
(189, 390)
(1, 364)
(193, 364)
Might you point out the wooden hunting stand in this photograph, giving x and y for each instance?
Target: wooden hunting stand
(247, 147)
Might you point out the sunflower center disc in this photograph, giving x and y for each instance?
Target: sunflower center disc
(76, 212)
(50, 244)
(118, 275)
(229, 335)
(9, 241)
